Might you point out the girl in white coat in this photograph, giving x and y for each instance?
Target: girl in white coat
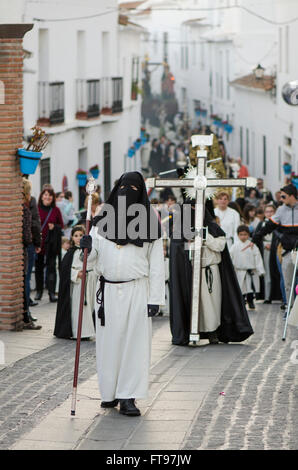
(248, 264)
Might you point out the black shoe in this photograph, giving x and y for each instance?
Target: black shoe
(128, 408)
(31, 326)
(213, 339)
(31, 318)
(52, 297)
(32, 303)
(283, 307)
(267, 302)
(38, 295)
(109, 404)
(251, 305)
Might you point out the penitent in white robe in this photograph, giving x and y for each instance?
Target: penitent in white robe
(250, 258)
(88, 330)
(123, 345)
(229, 222)
(210, 305)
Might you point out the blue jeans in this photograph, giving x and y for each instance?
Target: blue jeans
(31, 260)
(282, 282)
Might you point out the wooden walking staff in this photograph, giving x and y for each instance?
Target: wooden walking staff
(90, 188)
(200, 183)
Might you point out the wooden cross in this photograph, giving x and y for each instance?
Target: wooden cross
(200, 183)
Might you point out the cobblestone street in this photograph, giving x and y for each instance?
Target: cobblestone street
(237, 396)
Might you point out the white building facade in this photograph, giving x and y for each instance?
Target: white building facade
(81, 61)
(213, 48)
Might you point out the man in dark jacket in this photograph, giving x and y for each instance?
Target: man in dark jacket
(285, 221)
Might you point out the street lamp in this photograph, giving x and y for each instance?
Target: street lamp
(259, 72)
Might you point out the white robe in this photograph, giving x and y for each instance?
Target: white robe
(243, 260)
(210, 305)
(229, 222)
(123, 345)
(88, 330)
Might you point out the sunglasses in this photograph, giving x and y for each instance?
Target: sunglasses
(283, 197)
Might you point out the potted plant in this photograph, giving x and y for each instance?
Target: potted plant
(131, 152)
(137, 144)
(29, 157)
(82, 177)
(287, 168)
(94, 170)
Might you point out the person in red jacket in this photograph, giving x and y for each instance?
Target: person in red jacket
(243, 170)
(51, 230)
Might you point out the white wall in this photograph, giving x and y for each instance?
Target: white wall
(65, 140)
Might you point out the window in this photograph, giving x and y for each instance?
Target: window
(194, 53)
(279, 163)
(45, 172)
(165, 46)
(228, 73)
(287, 45)
(107, 168)
(202, 47)
(264, 155)
(247, 146)
(280, 48)
(221, 75)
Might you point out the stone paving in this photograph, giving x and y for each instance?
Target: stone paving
(259, 408)
(236, 396)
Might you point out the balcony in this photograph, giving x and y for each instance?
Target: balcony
(88, 98)
(50, 103)
(112, 95)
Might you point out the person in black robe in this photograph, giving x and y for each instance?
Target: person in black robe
(63, 327)
(235, 325)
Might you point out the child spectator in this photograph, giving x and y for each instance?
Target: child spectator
(67, 314)
(248, 265)
(65, 245)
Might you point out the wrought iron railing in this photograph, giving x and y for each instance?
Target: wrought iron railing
(112, 95)
(50, 102)
(88, 98)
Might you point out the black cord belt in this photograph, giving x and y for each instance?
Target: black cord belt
(100, 297)
(209, 278)
(251, 274)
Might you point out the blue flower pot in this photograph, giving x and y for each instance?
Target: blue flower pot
(295, 181)
(228, 128)
(131, 153)
(94, 173)
(28, 161)
(82, 179)
(287, 169)
(137, 145)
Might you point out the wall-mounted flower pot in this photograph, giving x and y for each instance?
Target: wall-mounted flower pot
(28, 161)
(95, 173)
(287, 168)
(137, 144)
(228, 128)
(131, 152)
(295, 181)
(82, 179)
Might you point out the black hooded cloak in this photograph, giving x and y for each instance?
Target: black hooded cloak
(235, 325)
(151, 232)
(63, 328)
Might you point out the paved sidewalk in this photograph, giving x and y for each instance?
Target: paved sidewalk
(207, 397)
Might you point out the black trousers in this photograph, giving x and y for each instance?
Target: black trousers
(49, 263)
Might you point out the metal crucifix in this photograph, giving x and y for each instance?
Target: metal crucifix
(200, 183)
